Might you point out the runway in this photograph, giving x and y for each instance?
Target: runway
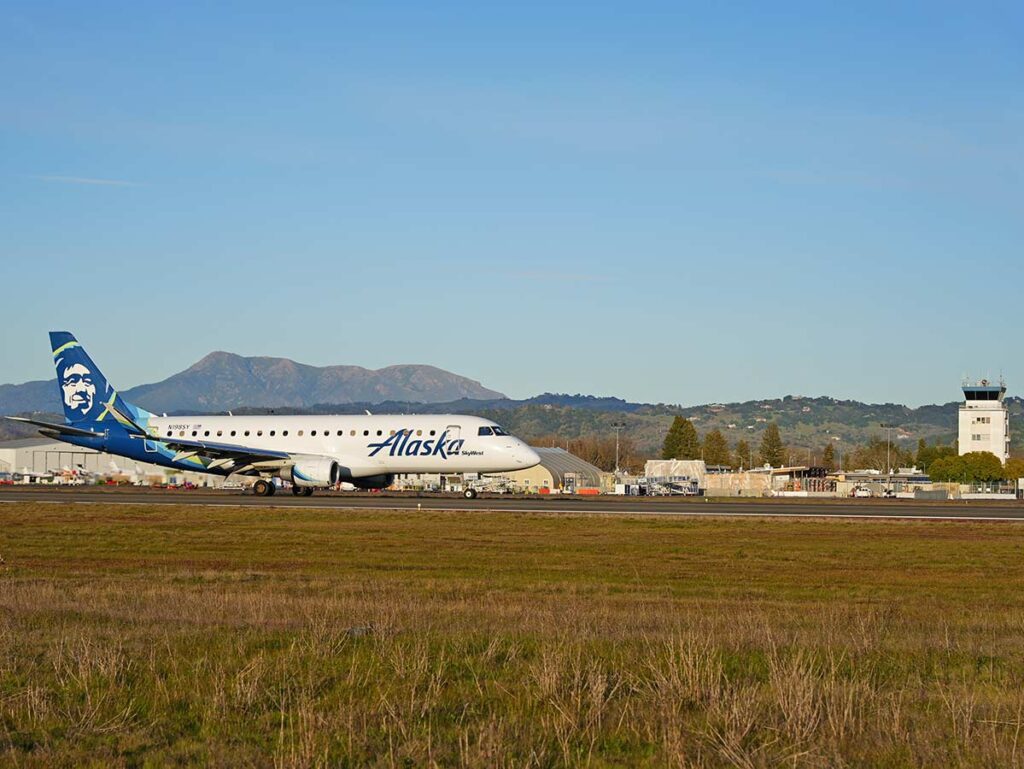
(605, 505)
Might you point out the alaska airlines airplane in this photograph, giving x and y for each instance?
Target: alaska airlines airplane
(308, 451)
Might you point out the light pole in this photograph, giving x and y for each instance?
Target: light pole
(838, 441)
(888, 444)
(617, 427)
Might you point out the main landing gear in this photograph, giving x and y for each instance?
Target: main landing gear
(302, 491)
(264, 488)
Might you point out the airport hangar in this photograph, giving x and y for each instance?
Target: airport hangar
(558, 469)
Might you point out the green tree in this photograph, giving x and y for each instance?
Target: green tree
(743, 455)
(926, 455)
(975, 467)
(1014, 469)
(946, 469)
(716, 449)
(681, 442)
(772, 451)
(983, 467)
(828, 457)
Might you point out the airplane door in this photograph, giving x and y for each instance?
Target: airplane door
(454, 432)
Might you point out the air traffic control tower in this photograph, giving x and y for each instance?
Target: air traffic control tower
(985, 420)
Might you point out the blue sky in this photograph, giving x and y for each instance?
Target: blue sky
(660, 201)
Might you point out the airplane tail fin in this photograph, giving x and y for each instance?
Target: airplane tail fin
(86, 394)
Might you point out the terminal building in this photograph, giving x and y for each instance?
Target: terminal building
(984, 420)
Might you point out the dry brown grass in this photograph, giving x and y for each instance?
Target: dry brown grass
(297, 638)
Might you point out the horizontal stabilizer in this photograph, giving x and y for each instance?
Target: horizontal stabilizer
(62, 429)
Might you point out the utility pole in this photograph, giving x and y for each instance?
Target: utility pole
(617, 427)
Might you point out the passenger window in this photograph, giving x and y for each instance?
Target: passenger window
(194, 433)
(300, 433)
(352, 433)
(206, 434)
(419, 433)
(168, 433)
(392, 433)
(312, 433)
(366, 432)
(259, 433)
(246, 433)
(380, 432)
(220, 433)
(284, 433)
(272, 433)
(340, 432)
(432, 432)
(232, 433)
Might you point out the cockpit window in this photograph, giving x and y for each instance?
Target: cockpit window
(485, 431)
(500, 430)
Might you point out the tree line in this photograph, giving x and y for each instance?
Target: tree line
(682, 442)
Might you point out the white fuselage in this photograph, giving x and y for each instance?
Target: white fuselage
(366, 445)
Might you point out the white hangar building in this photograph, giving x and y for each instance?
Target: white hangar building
(45, 456)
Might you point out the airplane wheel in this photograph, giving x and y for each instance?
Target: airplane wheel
(263, 488)
(307, 492)
(469, 493)
(297, 491)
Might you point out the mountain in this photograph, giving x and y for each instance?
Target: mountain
(223, 381)
(31, 396)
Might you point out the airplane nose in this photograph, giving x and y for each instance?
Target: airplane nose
(527, 456)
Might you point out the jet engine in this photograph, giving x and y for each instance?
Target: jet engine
(312, 472)
(373, 481)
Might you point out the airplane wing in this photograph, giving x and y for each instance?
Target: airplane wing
(237, 459)
(226, 456)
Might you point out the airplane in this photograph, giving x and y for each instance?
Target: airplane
(310, 452)
(30, 476)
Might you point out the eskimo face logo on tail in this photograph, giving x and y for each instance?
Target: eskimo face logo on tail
(78, 388)
(399, 444)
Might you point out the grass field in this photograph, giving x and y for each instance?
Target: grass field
(231, 637)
